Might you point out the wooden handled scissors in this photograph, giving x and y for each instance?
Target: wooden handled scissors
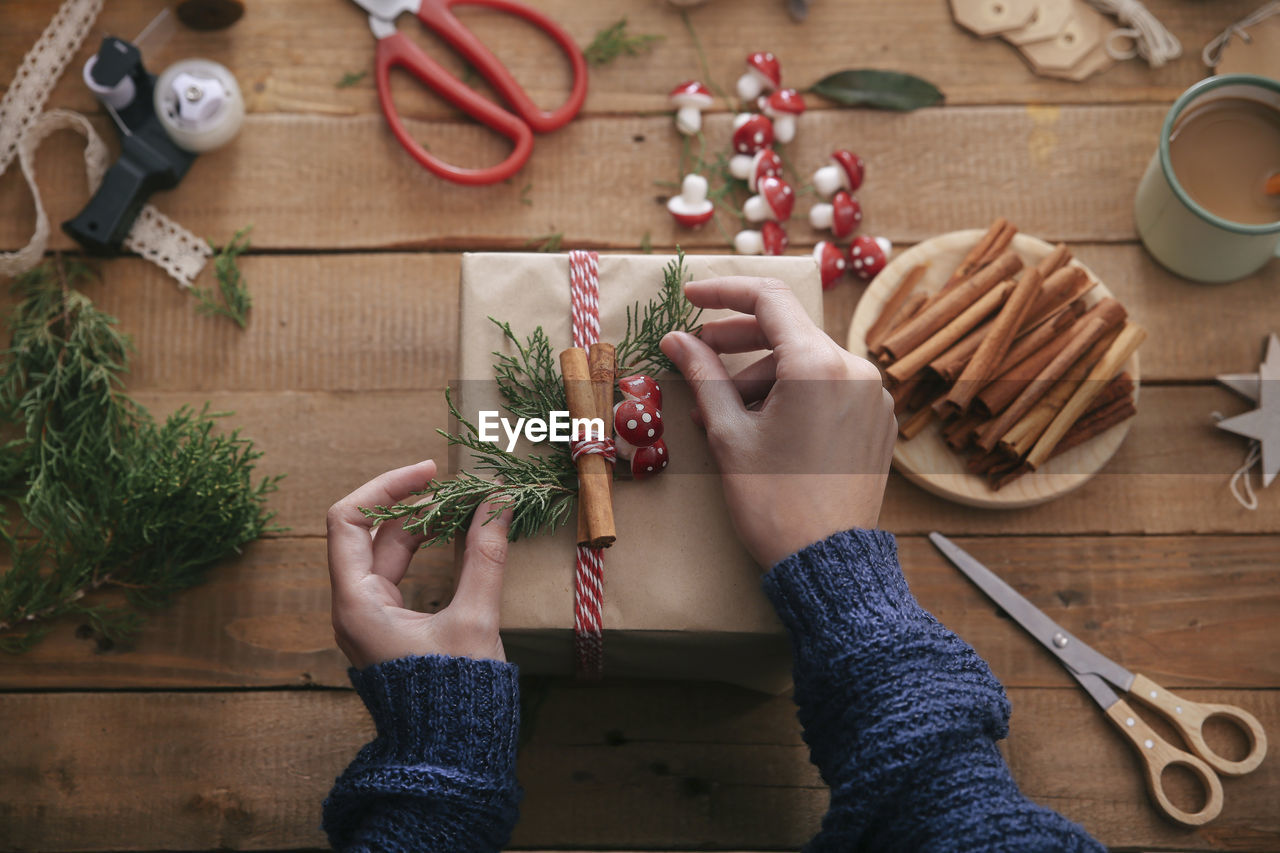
(394, 49)
(1094, 670)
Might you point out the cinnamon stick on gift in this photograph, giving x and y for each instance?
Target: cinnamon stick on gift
(982, 368)
(889, 315)
(601, 366)
(918, 358)
(949, 306)
(593, 472)
(1090, 331)
(1130, 338)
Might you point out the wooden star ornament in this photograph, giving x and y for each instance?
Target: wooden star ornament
(1263, 423)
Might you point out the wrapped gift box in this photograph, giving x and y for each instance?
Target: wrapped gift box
(682, 597)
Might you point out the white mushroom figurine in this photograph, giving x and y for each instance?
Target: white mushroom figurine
(692, 207)
(769, 240)
(690, 99)
(774, 200)
(783, 106)
(763, 75)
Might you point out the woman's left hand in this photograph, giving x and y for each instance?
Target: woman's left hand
(370, 622)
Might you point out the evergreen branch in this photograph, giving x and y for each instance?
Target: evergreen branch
(529, 382)
(235, 301)
(614, 41)
(350, 78)
(669, 311)
(546, 242)
(104, 496)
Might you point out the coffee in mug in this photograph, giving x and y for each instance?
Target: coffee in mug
(1203, 209)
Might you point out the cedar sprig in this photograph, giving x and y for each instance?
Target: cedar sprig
(235, 300)
(539, 489)
(529, 382)
(669, 311)
(103, 496)
(614, 41)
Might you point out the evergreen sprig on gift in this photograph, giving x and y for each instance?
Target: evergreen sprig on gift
(540, 489)
(102, 496)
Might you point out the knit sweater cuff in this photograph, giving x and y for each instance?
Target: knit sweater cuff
(851, 579)
(444, 711)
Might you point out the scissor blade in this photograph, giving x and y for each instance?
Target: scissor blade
(388, 10)
(1097, 688)
(1076, 655)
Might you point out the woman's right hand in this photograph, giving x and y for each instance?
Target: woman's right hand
(803, 436)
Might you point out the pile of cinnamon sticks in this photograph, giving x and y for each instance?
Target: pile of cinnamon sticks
(1009, 358)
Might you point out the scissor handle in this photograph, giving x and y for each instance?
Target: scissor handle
(1189, 718)
(396, 50)
(437, 15)
(1157, 754)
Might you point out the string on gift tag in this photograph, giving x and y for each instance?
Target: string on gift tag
(1147, 37)
(23, 127)
(1241, 485)
(588, 575)
(1212, 53)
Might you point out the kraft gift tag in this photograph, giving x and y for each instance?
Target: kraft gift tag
(993, 17)
(1084, 31)
(1049, 20)
(1260, 55)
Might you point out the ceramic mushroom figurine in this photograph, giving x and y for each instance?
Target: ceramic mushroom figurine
(763, 75)
(644, 389)
(650, 460)
(783, 106)
(831, 262)
(635, 424)
(868, 255)
(769, 240)
(752, 134)
(844, 172)
(774, 199)
(842, 216)
(765, 164)
(692, 207)
(690, 99)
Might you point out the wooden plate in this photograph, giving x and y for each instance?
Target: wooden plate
(926, 460)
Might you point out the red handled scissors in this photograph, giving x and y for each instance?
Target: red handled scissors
(397, 50)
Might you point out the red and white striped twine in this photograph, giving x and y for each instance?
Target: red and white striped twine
(588, 576)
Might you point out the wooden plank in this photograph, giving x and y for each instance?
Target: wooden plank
(283, 68)
(312, 182)
(1171, 607)
(1170, 476)
(609, 767)
(388, 322)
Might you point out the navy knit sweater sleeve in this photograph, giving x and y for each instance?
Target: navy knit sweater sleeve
(901, 715)
(440, 777)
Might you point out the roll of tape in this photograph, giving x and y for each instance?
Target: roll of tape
(199, 104)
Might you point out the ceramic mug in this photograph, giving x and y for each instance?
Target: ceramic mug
(1184, 237)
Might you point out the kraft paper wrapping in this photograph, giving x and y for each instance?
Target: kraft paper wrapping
(682, 597)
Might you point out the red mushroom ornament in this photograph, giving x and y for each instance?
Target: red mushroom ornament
(868, 255)
(649, 461)
(765, 164)
(692, 207)
(642, 388)
(783, 106)
(844, 172)
(842, 216)
(764, 74)
(774, 200)
(831, 262)
(636, 424)
(769, 240)
(690, 99)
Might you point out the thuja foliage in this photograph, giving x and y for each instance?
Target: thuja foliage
(100, 496)
(540, 489)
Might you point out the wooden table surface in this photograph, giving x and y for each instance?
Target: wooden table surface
(225, 722)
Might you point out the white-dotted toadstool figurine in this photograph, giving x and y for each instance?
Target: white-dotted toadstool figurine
(692, 207)
(636, 424)
(643, 388)
(649, 461)
(752, 133)
(769, 240)
(783, 106)
(844, 172)
(765, 164)
(831, 262)
(763, 75)
(774, 199)
(842, 216)
(690, 99)
(868, 255)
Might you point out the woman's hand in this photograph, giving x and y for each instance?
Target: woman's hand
(803, 436)
(370, 621)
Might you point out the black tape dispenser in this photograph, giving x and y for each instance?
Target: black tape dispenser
(163, 123)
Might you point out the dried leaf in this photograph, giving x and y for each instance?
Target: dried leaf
(886, 90)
